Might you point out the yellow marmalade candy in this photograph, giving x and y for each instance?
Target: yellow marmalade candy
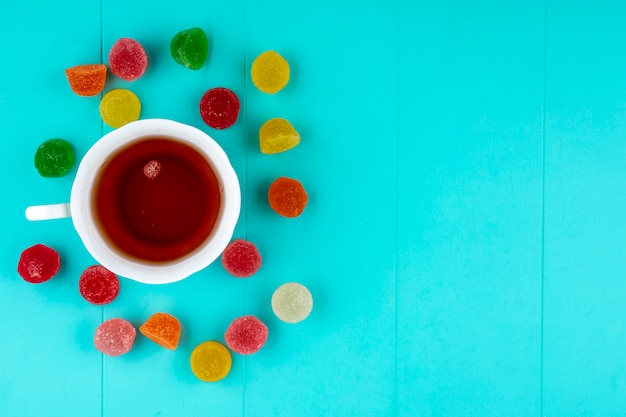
(210, 361)
(270, 72)
(277, 135)
(118, 107)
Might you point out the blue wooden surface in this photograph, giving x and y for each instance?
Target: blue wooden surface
(464, 236)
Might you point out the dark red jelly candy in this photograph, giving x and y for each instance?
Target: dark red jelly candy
(219, 108)
(128, 59)
(98, 285)
(38, 264)
(241, 258)
(246, 335)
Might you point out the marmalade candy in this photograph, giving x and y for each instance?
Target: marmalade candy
(54, 158)
(210, 361)
(87, 80)
(241, 258)
(163, 329)
(287, 197)
(270, 72)
(38, 264)
(246, 335)
(277, 135)
(128, 59)
(119, 107)
(190, 48)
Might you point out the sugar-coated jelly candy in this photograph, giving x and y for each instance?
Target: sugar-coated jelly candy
(114, 337)
(219, 108)
(246, 335)
(210, 361)
(98, 285)
(190, 48)
(38, 264)
(287, 197)
(163, 329)
(241, 258)
(292, 302)
(54, 158)
(128, 59)
(270, 72)
(277, 135)
(87, 80)
(119, 107)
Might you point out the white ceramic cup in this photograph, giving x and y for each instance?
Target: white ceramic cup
(81, 211)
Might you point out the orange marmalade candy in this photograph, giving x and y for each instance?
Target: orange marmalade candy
(287, 197)
(87, 80)
(163, 329)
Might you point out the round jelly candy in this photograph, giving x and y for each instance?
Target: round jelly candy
(114, 337)
(87, 80)
(287, 197)
(270, 72)
(128, 59)
(246, 335)
(292, 302)
(219, 108)
(98, 285)
(38, 264)
(54, 158)
(277, 135)
(119, 106)
(210, 361)
(241, 258)
(163, 329)
(190, 48)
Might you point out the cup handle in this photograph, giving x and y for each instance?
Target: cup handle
(48, 212)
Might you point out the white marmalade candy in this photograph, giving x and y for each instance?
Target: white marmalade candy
(292, 302)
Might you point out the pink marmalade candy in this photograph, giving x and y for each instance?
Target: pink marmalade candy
(128, 59)
(98, 285)
(114, 337)
(38, 264)
(246, 335)
(219, 108)
(241, 258)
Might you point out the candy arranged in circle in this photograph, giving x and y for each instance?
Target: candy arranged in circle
(287, 197)
(119, 107)
(128, 59)
(219, 108)
(190, 48)
(98, 285)
(38, 263)
(292, 302)
(210, 361)
(87, 80)
(270, 72)
(277, 135)
(163, 329)
(114, 337)
(54, 158)
(246, 335)
(241, 258)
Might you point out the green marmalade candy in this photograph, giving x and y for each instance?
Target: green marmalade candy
(54, 158)
(190, 48)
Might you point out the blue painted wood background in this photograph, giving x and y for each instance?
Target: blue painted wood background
(464, 240)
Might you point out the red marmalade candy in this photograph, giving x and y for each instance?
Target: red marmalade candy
(219, 108)
(246, 335)
(241, 258)
(128, 59)
(98, 285)
(38, 264)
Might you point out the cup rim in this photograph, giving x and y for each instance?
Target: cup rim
(154, 273)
